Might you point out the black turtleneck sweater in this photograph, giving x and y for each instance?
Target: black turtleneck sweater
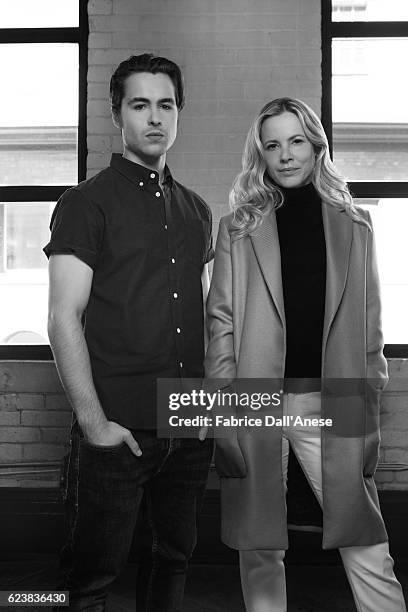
(303, 263)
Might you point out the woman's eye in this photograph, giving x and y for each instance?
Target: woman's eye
(298, 141)
(271, 146)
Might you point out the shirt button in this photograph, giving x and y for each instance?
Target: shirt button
(141, 184)
(152, 175)
(178, 330)
(173, 260)
(158, 194)
(175, 295)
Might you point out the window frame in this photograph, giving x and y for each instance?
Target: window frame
(358, 29)
(50, 193)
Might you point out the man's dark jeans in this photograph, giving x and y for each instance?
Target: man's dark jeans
(105, 486)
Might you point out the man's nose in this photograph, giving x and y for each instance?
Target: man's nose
(154, 118)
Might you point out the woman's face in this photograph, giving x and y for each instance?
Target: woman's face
(288, 155)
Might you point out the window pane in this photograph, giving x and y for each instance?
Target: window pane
(370, 10)
(390, 220)
(23, 272)
(26, 234)
(39, 114)
(370, 114)
(39, 14)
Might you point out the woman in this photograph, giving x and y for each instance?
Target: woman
(295, 294)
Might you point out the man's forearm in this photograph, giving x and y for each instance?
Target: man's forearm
(205, 284)
(73, 364)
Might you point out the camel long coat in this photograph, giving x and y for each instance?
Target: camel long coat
(247, 340)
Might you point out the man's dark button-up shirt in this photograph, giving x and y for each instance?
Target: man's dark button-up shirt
(147, 247)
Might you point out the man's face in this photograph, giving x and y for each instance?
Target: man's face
(148, 117)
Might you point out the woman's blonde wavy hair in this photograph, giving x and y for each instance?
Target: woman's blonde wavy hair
(254, 195)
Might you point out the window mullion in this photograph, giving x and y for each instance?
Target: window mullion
(32, 193)
(40, 35)
(368, 29)
(378, 189)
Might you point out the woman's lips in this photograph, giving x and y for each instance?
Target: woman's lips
(288, 171)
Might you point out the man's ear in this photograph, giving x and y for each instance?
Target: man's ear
(117, 119)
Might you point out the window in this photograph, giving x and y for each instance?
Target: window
(43, 64)
(365, 115)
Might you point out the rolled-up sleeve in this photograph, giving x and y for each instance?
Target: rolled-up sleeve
(210, 249)
(77, 227)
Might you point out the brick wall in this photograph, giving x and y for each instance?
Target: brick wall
(34, 424)
(235, 55)
(394, 428)
(35, 417)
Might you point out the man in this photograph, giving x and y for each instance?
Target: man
(128, 273)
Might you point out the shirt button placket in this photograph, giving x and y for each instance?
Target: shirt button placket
(175, 301)
(178, 328)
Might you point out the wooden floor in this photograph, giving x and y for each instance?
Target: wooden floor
(210, 588)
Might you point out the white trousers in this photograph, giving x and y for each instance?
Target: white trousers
(369, 569)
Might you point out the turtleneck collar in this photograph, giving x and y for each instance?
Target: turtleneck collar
(303, 197)
(304, 191)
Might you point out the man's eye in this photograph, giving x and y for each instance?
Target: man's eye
(167, 106)
(139, 106)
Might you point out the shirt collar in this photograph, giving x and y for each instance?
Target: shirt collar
(138, 173)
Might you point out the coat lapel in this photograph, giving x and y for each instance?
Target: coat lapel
(266, 246)
(338, 231)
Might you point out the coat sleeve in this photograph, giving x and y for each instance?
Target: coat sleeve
(377, 376)
(376, 362)
(220, 365)
(220, 358)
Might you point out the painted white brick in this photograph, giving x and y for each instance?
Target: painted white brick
(100, 125)
(107, 57)
(98, 91)
(100, 7)
(98, 108)
(98, 160)
(100, 74)
(99, 144)
(396, 455)
(382, 477)
(99, 40)
(401, 477)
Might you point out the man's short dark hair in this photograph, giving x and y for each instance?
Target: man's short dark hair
(147, 62)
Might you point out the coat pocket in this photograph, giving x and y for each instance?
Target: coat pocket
(229, 460)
